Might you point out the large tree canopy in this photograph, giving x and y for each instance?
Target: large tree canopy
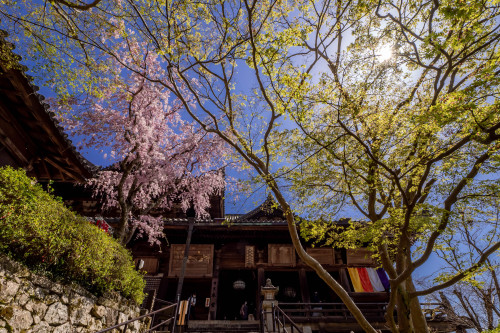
(409, 141)
(301, 92)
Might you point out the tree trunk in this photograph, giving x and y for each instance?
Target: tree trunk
(403, 311)
(316, 266)
(418, 322)
(121, 233)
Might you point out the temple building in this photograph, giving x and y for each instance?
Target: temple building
(230, 258)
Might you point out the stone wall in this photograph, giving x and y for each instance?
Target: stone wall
(32, 303)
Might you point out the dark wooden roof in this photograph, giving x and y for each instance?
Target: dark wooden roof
(30, 135)
(268, 212)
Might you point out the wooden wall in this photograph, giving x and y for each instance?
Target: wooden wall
(359, 256)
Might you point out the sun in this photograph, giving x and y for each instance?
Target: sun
(384, 53)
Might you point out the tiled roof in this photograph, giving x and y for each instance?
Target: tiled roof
(268, 209)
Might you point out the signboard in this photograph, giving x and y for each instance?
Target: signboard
(325, 256)
(281, 255)
(249, 256)
(199, 262)
(359, 256)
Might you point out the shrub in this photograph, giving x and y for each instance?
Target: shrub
(38, 230)
(495, 330)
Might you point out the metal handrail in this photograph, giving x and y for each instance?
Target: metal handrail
(158, 301)
(125, 323)
(277, 311)
(280, 320)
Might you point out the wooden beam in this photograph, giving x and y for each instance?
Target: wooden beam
(344, 280)
(61, 169)
(260, 283)
(17, 131)
(30, 126)
(212, 314)
(7, 142)
(42, 162)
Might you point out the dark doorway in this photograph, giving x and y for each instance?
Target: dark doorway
(230, 300)
(289, 285)
(198, 286)
(316, 284)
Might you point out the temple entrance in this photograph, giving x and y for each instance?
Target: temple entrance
(229, 299)
(324, 293)
(288, 282)
(198, 286)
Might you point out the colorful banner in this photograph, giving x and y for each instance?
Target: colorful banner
(356, 283)
(368, 279)
(374, 279)
(383, 278)
(100, 223)
(365, 280)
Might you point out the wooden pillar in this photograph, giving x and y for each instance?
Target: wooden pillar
(260, 283)
(304, 287)
(344, 281)
(183, 271)
(212, 313)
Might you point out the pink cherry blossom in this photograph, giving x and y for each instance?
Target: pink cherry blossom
(159, 159)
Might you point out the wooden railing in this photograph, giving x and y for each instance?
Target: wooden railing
(308, 312)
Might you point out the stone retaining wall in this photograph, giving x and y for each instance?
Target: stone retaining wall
(33, 303)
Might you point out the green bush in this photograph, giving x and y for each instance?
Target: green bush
(38, 230)
(495, 330)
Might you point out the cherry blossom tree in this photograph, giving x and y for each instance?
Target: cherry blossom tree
(158, 158)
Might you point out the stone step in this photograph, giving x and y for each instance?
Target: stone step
(224, 330)
(220, 326)
(226, 326)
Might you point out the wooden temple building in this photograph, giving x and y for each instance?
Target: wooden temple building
(229, 257)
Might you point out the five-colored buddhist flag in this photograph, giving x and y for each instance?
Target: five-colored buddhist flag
(383, 278)
(374, 279)
(365, 280)
(356, 283)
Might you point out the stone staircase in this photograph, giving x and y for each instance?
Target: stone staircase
(220, 326)
(223, 326)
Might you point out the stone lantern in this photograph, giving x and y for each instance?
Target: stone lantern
(269, 292)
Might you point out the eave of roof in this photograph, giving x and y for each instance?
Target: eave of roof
(264, 211)
(69, 161)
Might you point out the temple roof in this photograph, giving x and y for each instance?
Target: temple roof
(268, 211)
(30, 135)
